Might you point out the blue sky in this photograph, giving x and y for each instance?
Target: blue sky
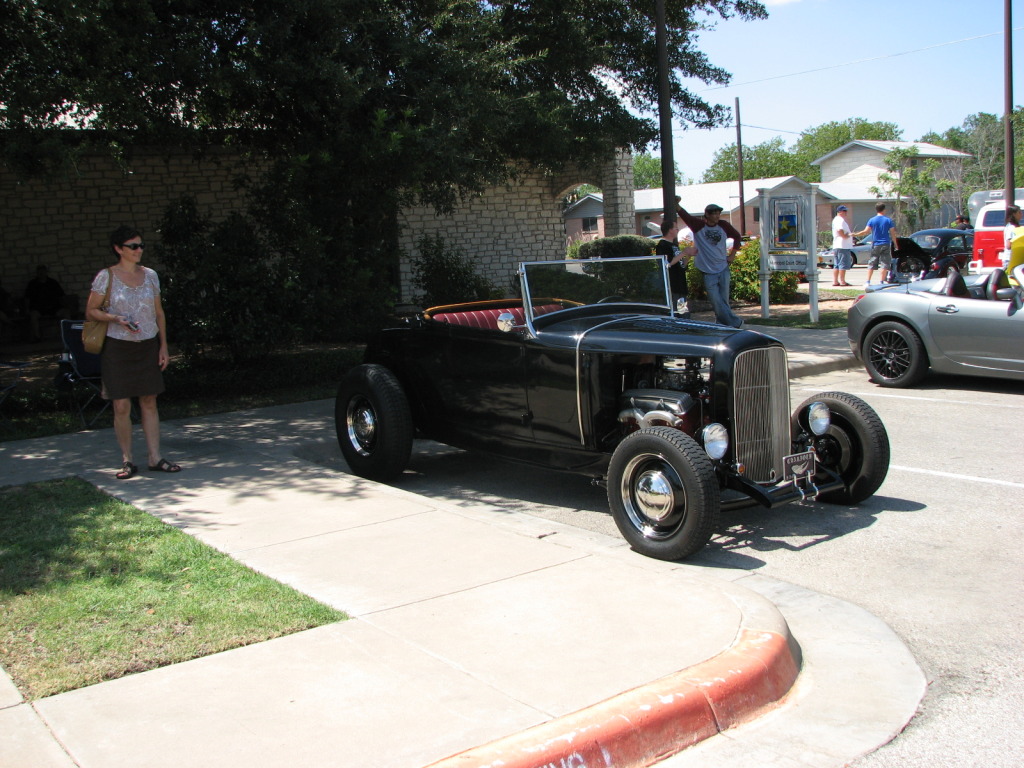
(846, 54)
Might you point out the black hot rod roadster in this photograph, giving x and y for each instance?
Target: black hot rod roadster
(590, 371)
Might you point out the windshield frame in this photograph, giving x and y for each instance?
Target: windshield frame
(578, 266)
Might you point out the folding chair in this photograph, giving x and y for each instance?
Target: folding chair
(80, 373)
(8, 384)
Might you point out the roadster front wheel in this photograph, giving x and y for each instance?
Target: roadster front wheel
(855, 447)
(373, 422)
(663, 493)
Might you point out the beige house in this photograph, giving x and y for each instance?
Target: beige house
(848, 173)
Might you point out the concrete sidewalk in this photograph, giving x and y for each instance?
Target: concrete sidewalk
(495, 637)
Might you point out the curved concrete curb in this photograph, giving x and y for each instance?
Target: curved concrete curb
(649, 723)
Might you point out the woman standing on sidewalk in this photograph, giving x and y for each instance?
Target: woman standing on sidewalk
(135, 352)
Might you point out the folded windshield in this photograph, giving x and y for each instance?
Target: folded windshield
(579, 282)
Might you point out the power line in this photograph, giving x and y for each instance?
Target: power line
(858, 61)
(746, 125)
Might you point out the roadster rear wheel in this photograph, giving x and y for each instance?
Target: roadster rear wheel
(373, 422)
(894, 355)
(856, 446)
(663, 493)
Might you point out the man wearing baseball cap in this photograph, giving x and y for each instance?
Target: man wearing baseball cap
(714, 257)
(842, 243)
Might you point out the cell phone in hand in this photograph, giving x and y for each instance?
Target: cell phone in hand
(132, 325)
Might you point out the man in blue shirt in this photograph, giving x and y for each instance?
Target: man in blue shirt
(883, 243)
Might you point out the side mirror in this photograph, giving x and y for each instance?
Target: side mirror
(506, 322)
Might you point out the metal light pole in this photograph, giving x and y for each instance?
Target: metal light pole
(668, 165)
(1008, 104)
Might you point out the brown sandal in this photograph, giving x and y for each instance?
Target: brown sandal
(128, 470)
(164, 466)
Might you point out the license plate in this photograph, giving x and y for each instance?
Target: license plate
(798, 465)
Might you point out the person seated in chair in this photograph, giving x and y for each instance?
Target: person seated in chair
(44, 297)
(8, 311)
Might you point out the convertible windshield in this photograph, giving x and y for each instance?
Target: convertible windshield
(579, 282)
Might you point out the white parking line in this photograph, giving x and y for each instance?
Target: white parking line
(956, 476)
(946, 400)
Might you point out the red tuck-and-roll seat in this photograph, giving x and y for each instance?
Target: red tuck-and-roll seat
(485, 317)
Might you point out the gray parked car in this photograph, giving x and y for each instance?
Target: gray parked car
(972, 326)
(861, 253)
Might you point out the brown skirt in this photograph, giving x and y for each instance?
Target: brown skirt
(131, 368)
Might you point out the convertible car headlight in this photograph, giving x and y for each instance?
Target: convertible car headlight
(819, 417)
(716, 440)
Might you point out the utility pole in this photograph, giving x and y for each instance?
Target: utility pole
(1008, 104)
(668, 165)
(739, 166)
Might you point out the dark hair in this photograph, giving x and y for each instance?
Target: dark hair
(121, 235)
(1012, 210)
(666, 225)
(879, 207)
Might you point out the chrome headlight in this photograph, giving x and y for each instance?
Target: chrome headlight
(716, 440)
(819, 418)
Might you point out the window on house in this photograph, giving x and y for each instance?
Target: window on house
(590, 223)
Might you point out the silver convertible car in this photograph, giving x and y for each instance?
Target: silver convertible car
(972, 326)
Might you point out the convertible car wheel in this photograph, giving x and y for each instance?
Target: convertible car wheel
(373, 422)
(663, 493)
(894, 355)
(856, 446)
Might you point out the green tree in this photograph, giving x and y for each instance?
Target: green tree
(647, 172)
(761, 161)
(772, 158)
(914, 185)
(820, 140)
(982, 135)
(355, 108)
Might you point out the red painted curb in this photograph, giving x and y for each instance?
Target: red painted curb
(652, 722)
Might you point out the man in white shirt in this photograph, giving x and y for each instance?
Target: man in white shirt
(1012, 222)
(842, 242)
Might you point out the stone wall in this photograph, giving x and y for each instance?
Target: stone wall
(519, 221)
(65, 222)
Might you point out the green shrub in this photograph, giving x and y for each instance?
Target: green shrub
(744, 284)
(573, 251)
(446, 275)
(617, 247)
(222, 287)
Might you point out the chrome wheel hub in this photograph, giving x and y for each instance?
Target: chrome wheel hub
(654, 495)
(361, 425)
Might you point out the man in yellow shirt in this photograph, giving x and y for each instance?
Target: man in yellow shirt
(1016, 250)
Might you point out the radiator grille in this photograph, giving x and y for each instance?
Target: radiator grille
(761, 412)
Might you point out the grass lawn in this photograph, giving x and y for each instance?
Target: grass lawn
(93, 589)
(826, 319)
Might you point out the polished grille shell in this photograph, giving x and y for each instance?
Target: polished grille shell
(760, 398)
